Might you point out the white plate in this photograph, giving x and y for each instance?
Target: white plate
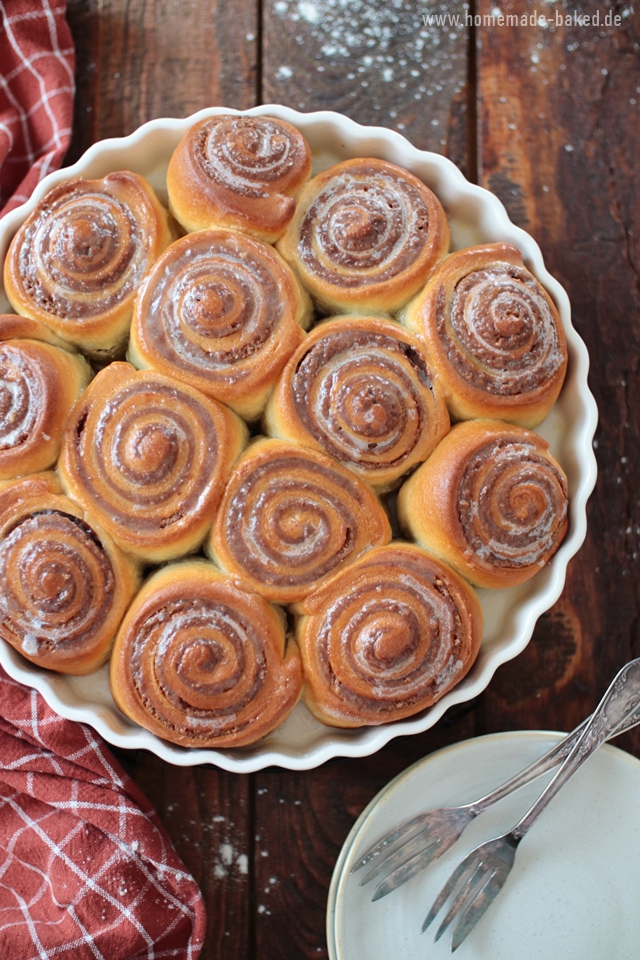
(475, 216)
(573, 892)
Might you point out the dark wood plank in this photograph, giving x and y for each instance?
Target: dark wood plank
(142, 59)
(302, 821)
(373, 62)
(558, 113)
(207, 814)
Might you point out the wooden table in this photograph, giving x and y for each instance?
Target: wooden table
(547, 117)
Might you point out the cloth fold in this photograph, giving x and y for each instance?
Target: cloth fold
(37, 62)
(86, 868)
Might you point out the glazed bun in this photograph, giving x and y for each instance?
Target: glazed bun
(491, 500)
(238, 172)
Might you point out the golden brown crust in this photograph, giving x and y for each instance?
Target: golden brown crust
(13, 326)
(203, 662)
(387, 637)
(76, 262)
(491, 500)
(365, 236)
(39, 384)
(493, 335)
(238, 172)
(290, 517)
(223, 313)
(149, 456)
(360, 389)
(66, 585)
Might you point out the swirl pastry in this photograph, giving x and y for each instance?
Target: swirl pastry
(39, 384)
(77, 261)
(493, 335)
(387, 637)
(360, 389)
(290, 517)
(365, 236)
(66, 585)
(149, 456)
(238, 172)
(491, 500)
(203, 662)
(223, 313)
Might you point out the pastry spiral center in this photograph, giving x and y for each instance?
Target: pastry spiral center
(198, 657)
(82, 239)
(360, 229)
(364, 228)
(150, 451)
(211, 309)
(82, 255)
(214, 304)
(53, 583)
(291, 529)
(59, 582)
(501, 334)
(360, 397)
(512, 504)
(387, 637)
(244, 154)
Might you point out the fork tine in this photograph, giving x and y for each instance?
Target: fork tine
(410, 867)
(401, 854)
(470, 916)
(465, 896)
(388, 844)
(454, 885)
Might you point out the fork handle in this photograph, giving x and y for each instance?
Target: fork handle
(618, 710)
(548, 761)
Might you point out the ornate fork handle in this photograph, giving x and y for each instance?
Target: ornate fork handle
(551, 759)
(618, 710)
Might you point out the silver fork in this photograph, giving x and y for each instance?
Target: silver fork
(416, 843)
(476, 882)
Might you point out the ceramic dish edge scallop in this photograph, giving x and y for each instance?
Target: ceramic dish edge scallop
(476, 216)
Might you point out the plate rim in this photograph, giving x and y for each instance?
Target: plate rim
(544, 736)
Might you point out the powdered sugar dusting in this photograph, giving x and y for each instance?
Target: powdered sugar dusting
(371, 40)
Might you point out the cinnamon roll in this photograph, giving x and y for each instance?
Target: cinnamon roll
(387, 637)
(223, 313)
(360, 388)
(149, 456)
(77, 261)
(365, 236)
(66, 585)
(203, 662)
(238, 172)
(493, 335)
(491, 500)
(39, 384)
(290, 517)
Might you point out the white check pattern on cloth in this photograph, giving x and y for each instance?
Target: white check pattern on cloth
(86, 868)
(36, 94)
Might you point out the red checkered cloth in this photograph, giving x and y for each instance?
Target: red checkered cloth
(87, 871)
(36, 94)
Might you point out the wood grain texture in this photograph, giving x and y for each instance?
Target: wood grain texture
(207, 814)
(379, 63)
(302, 821)
(144, 59)
(556, 106)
